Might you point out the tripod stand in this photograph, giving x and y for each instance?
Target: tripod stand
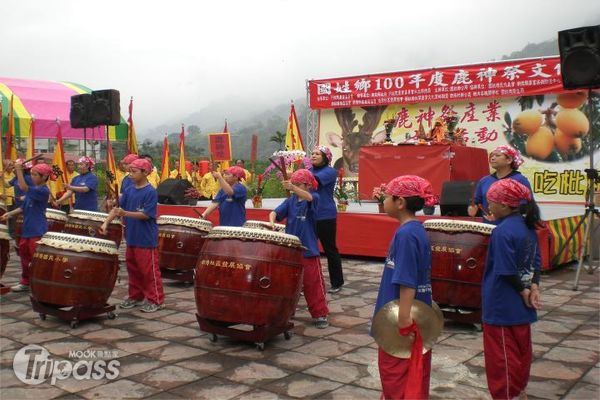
(590, 208)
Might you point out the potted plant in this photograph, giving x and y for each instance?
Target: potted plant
(379, 195)
(341, 193)
(255, 190)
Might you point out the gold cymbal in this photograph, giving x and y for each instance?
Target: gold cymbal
(430, 321)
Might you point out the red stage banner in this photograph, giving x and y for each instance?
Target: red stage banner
(512, 78)
(220, 146)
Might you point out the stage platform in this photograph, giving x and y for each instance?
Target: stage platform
(363, 231)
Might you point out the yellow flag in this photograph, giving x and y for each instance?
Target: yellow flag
(293, 139)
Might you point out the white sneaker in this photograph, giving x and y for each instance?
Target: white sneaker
(20, 288)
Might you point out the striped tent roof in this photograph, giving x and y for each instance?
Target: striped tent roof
(48, 100)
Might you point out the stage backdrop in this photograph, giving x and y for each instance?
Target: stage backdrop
(519, 102)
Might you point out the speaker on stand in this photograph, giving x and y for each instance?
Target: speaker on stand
(172, 191)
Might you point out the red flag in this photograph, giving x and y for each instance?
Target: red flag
(225, 128)
(165, 170)
(254, 148)
(131, 138)
(182, 171)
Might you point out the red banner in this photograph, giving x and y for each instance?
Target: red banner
(220, 146)
(512, 78)
(254, 148)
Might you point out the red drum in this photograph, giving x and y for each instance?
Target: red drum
(56, 222)
(459, 250)
(179, 242)
(248, 276)
(4, 248)
(263, 225)
(2, 208)
(86, 223)
(69, 270)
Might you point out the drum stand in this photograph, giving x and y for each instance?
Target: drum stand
(186, 277)
(259, 334)
(72, 314)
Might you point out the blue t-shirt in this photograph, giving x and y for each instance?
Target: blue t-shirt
(513, 250)
(301, 221)
(232, 209)
(484, 185)
(326, 177)
(18, 192)
(88, 200)
(408, 263)
(126, 183)
(34, 211)
(140, 232)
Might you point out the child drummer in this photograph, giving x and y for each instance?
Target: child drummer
(138, 205)
(34, 216)
(300, 209)
(406, 277)
(231, 199)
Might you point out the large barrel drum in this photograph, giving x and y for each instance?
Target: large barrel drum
(459, 250)
(69, 270)
(248, 276)
(86, 223)
(263, 225)
(56, 222)
(4, 248)
(179, 241)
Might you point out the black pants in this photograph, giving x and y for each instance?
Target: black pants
(326, 230)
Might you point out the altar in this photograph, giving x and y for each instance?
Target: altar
(439, 163)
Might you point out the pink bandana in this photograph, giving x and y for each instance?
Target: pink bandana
(237, 172)
(43, 169)
(412, 185)
(129, 158)
(87, 161)
(142, 164)
(509, 192)
(512, 153)
(325, 150)
(304, 176)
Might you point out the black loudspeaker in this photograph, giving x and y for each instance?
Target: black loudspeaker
(106, 107)
(456, 197)
(172, 191)
(580, 57)
(80, 113)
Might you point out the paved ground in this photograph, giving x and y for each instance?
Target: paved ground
(164, 355)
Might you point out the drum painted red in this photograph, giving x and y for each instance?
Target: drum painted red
(89, 228)
(67, 278)
(457, 267)
(4, 250)
(179, 246)
(54, 225)
(260, 289)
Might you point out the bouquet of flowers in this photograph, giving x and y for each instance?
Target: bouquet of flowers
(379, 193)
(293, 160)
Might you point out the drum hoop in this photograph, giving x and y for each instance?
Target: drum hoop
(4, 232)
(456, 226)
(263, 225)
(56, 215)
(93, 216)
(234, 232)
(78, 243)
(196, 223)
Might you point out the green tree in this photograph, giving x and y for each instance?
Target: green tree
(278, 138)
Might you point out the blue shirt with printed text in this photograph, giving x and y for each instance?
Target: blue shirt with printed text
(140, 232)
(301, 221)
(232, 209)
(88, 200)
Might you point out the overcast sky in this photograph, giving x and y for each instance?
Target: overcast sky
(176, 57)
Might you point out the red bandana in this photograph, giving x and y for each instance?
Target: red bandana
(304, 176)
(237, 172)
(512, 153)
(412, 185)
(509, 192)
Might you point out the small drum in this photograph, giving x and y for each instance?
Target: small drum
(264, 225)
(248, 276)
(56, 222)
(179, 242)
(87, 223)
(458, 250)
(69, 270)
(4, 248)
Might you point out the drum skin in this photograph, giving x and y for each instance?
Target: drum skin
(79, 225)
(54, 225)
(63, 277)
(457, 267)
(179, 246)
(259, 284)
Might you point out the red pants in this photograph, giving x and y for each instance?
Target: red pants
(26, 249)
(508, 353)
(145, 281)
(314, 287)
(393, 372)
